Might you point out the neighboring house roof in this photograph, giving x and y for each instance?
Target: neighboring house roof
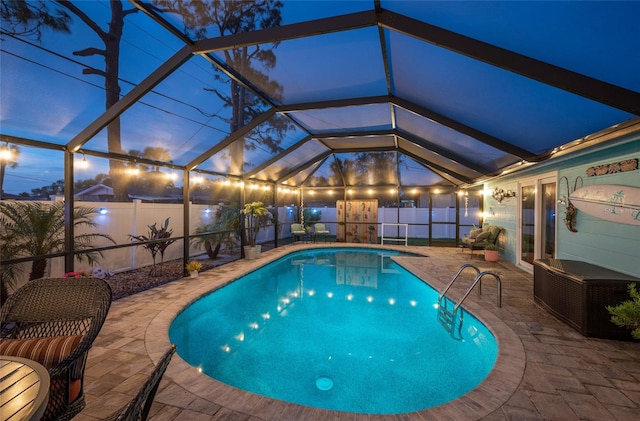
(97, 190)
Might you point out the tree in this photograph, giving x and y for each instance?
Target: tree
(35, 229)
(29, 19)
(57, 187)
(8, 158)
(150, 180)
(227, 17)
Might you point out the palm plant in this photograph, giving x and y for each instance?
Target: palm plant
(257, 216)
(34, 229)
(224, 231)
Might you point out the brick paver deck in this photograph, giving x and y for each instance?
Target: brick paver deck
(545, 369)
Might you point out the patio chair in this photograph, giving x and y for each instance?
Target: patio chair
(320, 229)
(138, 408)
(478, 239)
(54, 321)
(297, 230)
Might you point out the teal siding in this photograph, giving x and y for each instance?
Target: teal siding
(608, 244)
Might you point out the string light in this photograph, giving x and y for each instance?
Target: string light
(5, 153)
(83, 164)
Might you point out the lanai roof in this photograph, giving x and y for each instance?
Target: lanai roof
(410, 92)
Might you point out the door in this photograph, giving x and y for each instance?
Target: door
(537, 225)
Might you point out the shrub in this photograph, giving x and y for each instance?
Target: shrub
(627, 313)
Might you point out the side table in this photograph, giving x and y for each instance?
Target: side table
(24, 389)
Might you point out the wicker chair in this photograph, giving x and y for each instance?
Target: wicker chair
(54, 321)
(138, 408)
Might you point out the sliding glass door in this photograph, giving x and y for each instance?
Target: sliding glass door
(537, 219)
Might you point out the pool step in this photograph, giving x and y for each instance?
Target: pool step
(448, 320)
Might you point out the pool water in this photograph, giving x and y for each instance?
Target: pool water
(344, 329)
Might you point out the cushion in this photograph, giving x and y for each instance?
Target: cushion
(475, 232)
(47, 351)
(494, 230)
(483, 236)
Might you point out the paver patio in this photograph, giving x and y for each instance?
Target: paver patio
(545, 369)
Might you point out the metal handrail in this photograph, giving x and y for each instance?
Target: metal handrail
(475, 281)
(463, 267)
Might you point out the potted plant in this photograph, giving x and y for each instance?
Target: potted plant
(491, 253)
(193, 267)
(256, 216)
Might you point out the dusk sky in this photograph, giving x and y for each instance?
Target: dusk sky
(46, 96)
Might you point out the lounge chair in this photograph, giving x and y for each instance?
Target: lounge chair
(297, 230)
(320, 229)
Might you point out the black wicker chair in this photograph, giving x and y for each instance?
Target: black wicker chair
(55, 321)
(138, 408)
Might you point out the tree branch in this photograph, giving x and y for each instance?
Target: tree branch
(86, 19)
(90, 71)
(90, 52)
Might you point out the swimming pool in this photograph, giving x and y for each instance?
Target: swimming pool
(341, 329)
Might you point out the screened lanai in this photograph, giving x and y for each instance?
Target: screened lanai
(300, 104)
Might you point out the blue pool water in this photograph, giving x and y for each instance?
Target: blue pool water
(341, 329)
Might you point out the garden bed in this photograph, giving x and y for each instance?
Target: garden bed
(131, 282)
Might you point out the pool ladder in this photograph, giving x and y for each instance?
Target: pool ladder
(447, 317)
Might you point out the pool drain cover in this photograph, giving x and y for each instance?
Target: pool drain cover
(324, 383)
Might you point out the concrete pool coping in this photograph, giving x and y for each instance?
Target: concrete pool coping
(492, 393)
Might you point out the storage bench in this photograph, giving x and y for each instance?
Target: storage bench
(578, 293)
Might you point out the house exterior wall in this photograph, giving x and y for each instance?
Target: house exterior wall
(612, 245)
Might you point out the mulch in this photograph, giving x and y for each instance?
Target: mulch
(124, 284)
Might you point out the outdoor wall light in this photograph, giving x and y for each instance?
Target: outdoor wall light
(103, 211)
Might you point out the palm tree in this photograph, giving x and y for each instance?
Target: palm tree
(37, 229)
(224, 231)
